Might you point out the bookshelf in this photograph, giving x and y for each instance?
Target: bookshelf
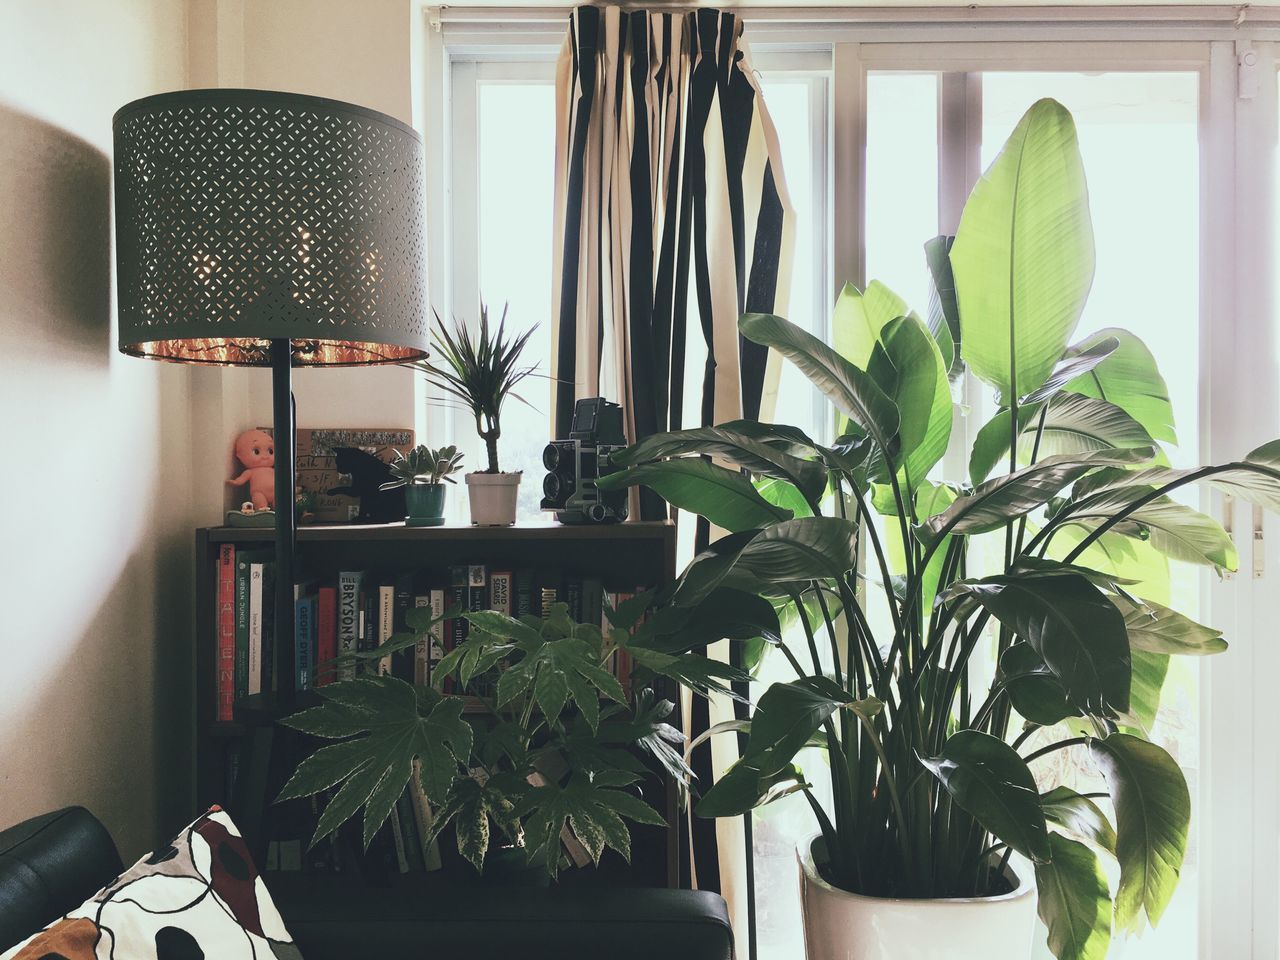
(623, 556)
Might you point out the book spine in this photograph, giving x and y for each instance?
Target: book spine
(386, 623)
(348, 616)
(226, 632)
(397, 836)
(242, 628)
(425, 818)
(477, 600)
(422, 649)
(525, 594)
(303, 639)
(326, 634)
(435, 649)
(268, 625)
(501, 587)
(402, 661)
(255, 628)
(409, 830)
(573, 598)
(459, 597)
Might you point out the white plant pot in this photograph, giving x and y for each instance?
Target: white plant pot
(839, 925)
(493, 498)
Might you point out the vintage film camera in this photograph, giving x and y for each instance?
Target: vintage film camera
(574, 465)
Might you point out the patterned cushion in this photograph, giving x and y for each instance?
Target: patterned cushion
(199, 897)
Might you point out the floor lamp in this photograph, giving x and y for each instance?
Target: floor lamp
(257, 228)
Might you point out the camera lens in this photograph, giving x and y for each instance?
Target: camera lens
(551, 486)
(551, 456)
(596, 512)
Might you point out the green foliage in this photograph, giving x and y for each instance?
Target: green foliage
(422, 465)
(1027, 602)
(558, 748)
(481, 371)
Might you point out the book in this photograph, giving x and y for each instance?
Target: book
(525, 606)
(435, 648)
(225, 625)
(501, 599)
(255, 627)
(422, 649)
(397, 837)
(402, 661)
(477, 600)
(304, 634)
(268, 624)
(409, 830)
(458, 598)
(349, 582)
(326, 633)
(573, 598)
(592, 600)
(243, 561)
(549, 591)
(423, 814)
(386, 622)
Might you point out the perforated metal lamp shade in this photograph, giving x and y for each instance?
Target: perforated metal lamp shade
(247, 216)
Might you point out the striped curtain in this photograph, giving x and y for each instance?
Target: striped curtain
(672, 219)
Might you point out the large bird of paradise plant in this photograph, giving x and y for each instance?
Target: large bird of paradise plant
(953, 636)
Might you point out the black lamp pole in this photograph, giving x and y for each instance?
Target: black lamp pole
(286, 673)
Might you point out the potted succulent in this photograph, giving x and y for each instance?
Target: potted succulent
(482, 371)
(954, 640)
(423, 473)
(553, 756)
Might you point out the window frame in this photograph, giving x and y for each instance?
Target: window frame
(1239, 320)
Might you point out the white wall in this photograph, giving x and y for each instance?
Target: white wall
(96, 494)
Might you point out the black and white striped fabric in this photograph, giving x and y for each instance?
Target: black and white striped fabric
(668, 177)
(672, 219)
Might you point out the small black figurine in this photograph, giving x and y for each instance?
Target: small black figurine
(368, 473)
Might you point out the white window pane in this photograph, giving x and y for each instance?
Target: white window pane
(902, 181)
(1138, 134)
(516, 153)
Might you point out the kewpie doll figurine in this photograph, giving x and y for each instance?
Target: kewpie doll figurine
(257, 451)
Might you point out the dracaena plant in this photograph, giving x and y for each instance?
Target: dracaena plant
(955, 639)
(481, 371)
(557, 752)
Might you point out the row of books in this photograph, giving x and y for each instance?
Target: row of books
(360, 610)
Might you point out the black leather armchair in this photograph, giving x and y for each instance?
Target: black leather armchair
(52, 863)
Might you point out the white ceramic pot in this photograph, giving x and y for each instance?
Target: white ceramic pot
(846, 926)
(493, 498)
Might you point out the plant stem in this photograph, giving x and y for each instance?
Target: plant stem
(1060, 745)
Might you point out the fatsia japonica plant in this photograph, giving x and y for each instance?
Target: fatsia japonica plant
(555, 753)
(980, 657)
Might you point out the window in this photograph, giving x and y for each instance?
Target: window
(1179, 154)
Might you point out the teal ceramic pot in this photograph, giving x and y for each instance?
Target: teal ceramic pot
(425, 504)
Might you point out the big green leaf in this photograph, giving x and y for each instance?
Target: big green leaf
(787, 716)
(986, 777)
(1080, 815)
(1074, 628)
(806, 548)
(1173, 528)
(393, 726)
(1034, 691)
(594, 812)
(1129, 378)
(851, 389)
(725, 497)
(859, 317)
(1023, 257)
(1158, 629)
(908, 367)
(996, 502)
(1153, 812)
(1073, 424)
(1145, 689)
(1074, 901)
(729, 443)
(1075, 363)
(943, 312)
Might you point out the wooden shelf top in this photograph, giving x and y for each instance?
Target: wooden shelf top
(547, 530)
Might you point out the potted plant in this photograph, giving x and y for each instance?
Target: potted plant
(423, 473)
(954, 641)
(482, 371)
(551, 757)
